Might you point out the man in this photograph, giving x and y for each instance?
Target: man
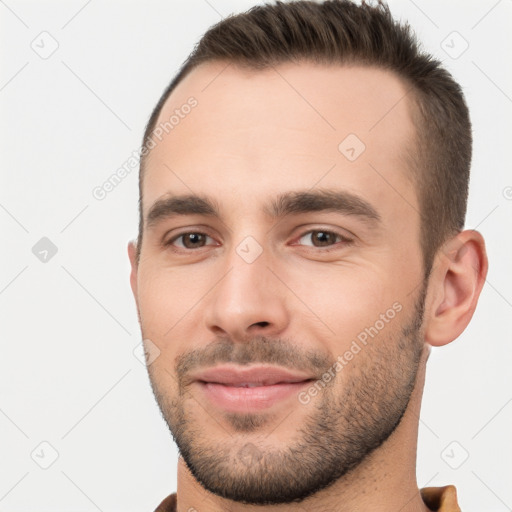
(301, 247)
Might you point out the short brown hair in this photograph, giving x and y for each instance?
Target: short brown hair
(342, 32)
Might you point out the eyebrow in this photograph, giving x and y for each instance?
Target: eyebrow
(289, 203)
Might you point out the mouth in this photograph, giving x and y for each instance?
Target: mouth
(236, 389)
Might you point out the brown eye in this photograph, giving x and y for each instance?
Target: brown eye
(321, 238)
(191, 240)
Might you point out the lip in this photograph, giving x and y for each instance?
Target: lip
(236, 389)
(230, 375)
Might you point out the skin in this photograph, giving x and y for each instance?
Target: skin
(252, 136)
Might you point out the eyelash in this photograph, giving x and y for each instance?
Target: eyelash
(342, 239)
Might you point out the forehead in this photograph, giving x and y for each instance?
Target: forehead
(260, 132)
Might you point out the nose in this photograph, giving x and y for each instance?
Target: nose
(248, 300)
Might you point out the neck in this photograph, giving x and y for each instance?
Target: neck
(384, 481)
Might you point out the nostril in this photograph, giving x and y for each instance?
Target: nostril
(261, 324)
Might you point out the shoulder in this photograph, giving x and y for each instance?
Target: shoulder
(168, 505)
(441, 499)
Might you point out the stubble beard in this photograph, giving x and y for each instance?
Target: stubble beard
(341, 429)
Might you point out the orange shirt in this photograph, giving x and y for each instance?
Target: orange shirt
(438, 499)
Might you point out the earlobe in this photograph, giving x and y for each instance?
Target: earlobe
(457, 281)
(132, 255)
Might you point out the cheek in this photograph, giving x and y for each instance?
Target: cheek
(171, 306)
(160, 309)
(161, 284)
(162, 300)
(345, 302)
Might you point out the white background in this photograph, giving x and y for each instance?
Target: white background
(68, 374)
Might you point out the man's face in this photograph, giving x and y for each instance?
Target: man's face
(274, 281)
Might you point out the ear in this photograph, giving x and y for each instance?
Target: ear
(456, 281)
(132, 254)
